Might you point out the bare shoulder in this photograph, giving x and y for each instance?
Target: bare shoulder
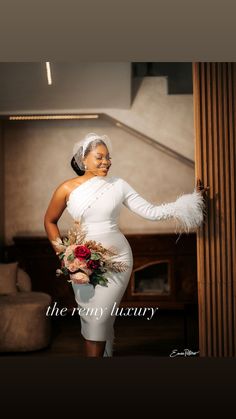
(67, 186)
(69, 183)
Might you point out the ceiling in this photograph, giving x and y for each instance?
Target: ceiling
(75, 86)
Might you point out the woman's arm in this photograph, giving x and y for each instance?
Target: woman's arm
(54, 211)
(188, 209)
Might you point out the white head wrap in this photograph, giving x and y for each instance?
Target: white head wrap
(80, 147)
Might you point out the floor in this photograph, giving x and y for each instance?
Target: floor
(134, 336)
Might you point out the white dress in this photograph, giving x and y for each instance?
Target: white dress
(96, 203)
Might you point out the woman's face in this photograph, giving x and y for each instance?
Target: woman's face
(98, 160)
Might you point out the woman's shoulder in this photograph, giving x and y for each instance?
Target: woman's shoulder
(68, 184)
(117, 179)
(121, 182)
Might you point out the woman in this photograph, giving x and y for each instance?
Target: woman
(95, 200)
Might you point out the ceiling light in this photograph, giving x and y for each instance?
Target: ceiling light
(38, 117)
(48, 69)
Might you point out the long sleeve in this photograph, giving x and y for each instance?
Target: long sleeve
(187, 210)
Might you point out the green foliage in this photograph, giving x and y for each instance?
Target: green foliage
(98, 278)
(95, 256)
(71, 257)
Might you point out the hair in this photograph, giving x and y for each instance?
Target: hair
(73, 162)
(76, 168)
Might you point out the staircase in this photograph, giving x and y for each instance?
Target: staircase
(179, 75)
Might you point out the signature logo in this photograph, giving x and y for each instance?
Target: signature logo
(186, 352)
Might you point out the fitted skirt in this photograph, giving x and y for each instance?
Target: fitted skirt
(96, 305)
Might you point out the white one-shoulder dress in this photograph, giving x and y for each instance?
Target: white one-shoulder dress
(96, 204)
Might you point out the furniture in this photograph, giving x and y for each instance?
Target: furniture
(24, 325)
(164, 272)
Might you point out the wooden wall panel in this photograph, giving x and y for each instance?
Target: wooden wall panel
(215, 129)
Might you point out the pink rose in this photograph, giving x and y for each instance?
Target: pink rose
(77, 264)
(79, 278)
(73, 266)
(69, 251)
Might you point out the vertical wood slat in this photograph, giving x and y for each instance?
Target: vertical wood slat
(232, 136)
(211, 181)
(216, 209)
(215, 133)
(224, 185)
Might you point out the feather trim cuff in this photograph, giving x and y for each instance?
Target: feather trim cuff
(189, 210)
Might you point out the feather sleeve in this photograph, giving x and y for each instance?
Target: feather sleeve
(187, 210)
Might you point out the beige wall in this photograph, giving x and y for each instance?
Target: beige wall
(167, 119)
(38, 154)
(37, 160)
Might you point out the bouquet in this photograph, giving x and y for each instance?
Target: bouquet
(85, 261)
